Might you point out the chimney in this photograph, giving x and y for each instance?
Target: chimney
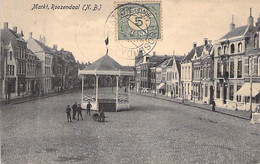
(140, 53)
(30, 35)
(173, 52)
(205, 41)
(5, 25)
(55, 46)
(258, 21)
(250, 21)
(210, 41)
(154, 53)
(22, 32)
(194, 44)
(15, 29)
(232, 24)
(40, 38)
(43, 40)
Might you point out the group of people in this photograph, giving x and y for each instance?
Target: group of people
(76, 110)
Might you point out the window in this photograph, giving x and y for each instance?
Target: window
(238, 96)
(218, 90)
(239, 47)
(225, 49)
(189, 72)
(239, 69)
(246, 66)
(219, 50)
(219, 69)
(231, 92)
(256, 41)
(11, 55)
(206, 90)
(232, 48)
(231, 69)
(255, 66)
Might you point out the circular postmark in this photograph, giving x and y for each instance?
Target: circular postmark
(133, 27)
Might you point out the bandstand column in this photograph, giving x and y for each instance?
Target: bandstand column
(97, 92)
(117, 78)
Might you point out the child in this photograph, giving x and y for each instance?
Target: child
(68, 110)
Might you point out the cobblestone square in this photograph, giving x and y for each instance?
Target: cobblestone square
(153, 131)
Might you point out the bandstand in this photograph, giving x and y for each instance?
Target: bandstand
(105, 98)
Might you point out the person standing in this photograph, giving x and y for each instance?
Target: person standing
(68, 110)
(213, 106)
(171, 93)
(74, 110)
(89, 106)
(79, 110)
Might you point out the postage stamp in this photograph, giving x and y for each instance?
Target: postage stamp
(138, 21)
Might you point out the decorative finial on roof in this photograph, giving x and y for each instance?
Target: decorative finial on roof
(232, 18)
(250, 11)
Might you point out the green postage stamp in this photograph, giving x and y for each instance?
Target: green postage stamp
(138, 21)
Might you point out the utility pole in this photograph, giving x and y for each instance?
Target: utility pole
(251, 81)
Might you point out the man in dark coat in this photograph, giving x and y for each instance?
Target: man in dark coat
(68, 110)
(171, 93)
(74, 110)
(213, 105)
(79, 110)
(89, 106)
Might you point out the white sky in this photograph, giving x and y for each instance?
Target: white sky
(184, 22)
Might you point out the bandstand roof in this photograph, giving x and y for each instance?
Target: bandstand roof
(107, 66)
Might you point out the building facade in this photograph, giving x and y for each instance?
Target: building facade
(176, 75)
(45, 55)
(232, 66)
(201, 67)
(14, 64)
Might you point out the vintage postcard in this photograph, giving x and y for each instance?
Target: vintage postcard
(130, 81)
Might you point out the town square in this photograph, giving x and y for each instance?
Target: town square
(130, 82)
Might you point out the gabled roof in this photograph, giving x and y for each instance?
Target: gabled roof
(18, 36)
(198, 50)
(44, 47)
(190, 55)
(157, 60)
(239, 31)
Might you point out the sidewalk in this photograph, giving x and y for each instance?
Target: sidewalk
(239, 114)
(20, 100)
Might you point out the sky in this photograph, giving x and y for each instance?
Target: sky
(83, 32)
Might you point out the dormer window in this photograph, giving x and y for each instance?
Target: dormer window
(256, 41)
(239, 47)
(11, 55)
(232, 48)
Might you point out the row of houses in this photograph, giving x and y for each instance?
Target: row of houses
(31, 67)
(221, 71)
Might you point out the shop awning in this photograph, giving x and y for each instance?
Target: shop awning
(245, 89)
(161, 86)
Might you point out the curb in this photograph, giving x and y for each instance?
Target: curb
(228, 114)
(37, 98)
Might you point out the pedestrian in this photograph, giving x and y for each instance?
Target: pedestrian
(89, 106)
(68, 110)
(102, 116)
(79, 110)
(74, 111)
(171, 93)
(213, 105)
